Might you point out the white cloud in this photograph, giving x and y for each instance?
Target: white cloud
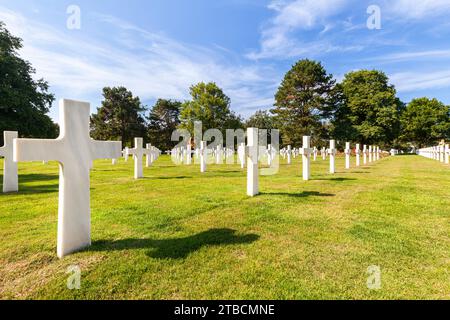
(418, 9)
(149, 64)
(419, 81)
(276, 36)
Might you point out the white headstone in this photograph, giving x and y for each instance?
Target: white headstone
(324, 153)
(315, 153)
(365, 154)
(348, 152)
(189, 154)
(447, 153)
(114, 161)
(203, 156)
(241, 154)
(252, 162)
(289, 154)
(378, 153)
(10, 175)
(358, 155)
(138, 153)
(306, 157)
(75, 151)
(370, 154)
(126, 154)
(332, 153)
(149, 155)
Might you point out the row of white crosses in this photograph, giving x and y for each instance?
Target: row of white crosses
(440, 153)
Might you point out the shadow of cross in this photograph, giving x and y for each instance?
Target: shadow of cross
(75, 151)
(177, 248)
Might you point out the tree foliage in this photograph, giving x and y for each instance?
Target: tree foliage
(24, 102)
(304, 101)
(425, 122)
(119, 117)
(163, 119)
(371, 110)
(209, 105)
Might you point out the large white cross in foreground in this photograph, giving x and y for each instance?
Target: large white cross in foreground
(10, 177)
(75, 151)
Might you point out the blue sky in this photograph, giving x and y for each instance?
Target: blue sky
(158, 48)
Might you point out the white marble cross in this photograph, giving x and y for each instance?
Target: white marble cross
(306, 151)
(126, 154)
(358, 155)
(289, 154)
(332, 153)
(138, 153)
(447, 153)
(364, 154)
(75, 151)
(370, 154)
(269, 154)
(241, 154)
(252, 162)
(203, 155)
(324, 153)
(188, 154)
(378, 153)
(348, 152)
(149, 155)
(315, 153)
(10, 175)
(219, 155)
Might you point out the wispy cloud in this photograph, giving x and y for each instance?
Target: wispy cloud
(420, 81)
(417, 9)
(277, 38)
(152, 65)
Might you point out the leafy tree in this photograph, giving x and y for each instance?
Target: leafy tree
(304, 101)
(371, 113)
(164, 118)
(425, 121)
(262, 120)
(119, 117)
(209, 105)
(24, 102)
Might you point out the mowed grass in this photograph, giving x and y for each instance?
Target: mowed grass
(179, 234)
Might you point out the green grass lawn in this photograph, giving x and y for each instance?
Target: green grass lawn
(179, 234)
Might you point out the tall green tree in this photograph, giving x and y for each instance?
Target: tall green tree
(425, 121)
(24, 102)
(163, 119)
(119, 118)
(371, 110)
(209, 105)
(303, 101)
(261, 119)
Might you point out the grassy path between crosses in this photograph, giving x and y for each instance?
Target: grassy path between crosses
(179, 234)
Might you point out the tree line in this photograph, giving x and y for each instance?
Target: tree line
(363, 108)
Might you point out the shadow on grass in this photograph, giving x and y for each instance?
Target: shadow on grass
(303, 194)
(167, 178)
(340, 179)
(178, 248)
